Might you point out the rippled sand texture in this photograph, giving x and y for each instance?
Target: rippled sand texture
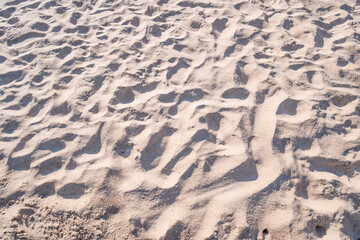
(174, 119)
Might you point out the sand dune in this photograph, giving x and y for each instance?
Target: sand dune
(176, 119)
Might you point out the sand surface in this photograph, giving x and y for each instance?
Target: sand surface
(175, 119)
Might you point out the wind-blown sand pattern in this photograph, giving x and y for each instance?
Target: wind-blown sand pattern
(175, 119)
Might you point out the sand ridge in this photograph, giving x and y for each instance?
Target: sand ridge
(176, 119)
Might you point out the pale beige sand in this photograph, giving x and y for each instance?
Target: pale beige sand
(174, 119)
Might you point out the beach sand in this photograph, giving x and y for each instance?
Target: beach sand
(175, 119)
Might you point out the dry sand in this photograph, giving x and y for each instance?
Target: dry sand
(175, 119)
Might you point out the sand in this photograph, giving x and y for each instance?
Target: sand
(175, 119)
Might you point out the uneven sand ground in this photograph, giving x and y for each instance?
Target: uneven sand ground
(175, 119)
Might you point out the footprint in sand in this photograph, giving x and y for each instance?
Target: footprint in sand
(236, 93)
